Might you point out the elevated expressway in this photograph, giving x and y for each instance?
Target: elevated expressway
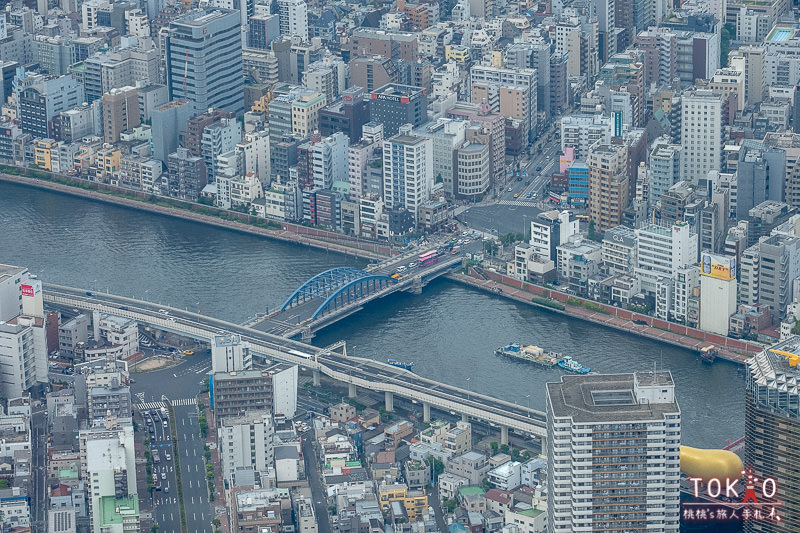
(355, 371)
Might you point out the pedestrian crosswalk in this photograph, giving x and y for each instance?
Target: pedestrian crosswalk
(140, 396)
(184, 401)
(147, 406)
(521, 202)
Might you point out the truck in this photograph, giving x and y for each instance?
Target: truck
(156, 457)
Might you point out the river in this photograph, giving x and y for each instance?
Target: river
(449, 332)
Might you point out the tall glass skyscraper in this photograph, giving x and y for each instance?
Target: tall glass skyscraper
(204, 60)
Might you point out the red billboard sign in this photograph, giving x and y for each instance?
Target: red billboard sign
(27, 290)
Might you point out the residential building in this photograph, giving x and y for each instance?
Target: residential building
(117, 331)
(41, 98)
(471, 466)
(486, 127)
(203, 60)
(760, 176)
(187, 175)
(447, 136)
(407, 172)
(112, 401)
(583, 131)
(293, 18)
(246, 441)
(70, 333)
(664, 169)
(608, 185)
(472, 176)
(594, 419)
(619, 250)
(511, 92)
(168, 121)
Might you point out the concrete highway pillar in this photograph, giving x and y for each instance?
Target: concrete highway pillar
(464, 417)
(316, 378)
(389, 400)
(426, 412)
(503, 434)
(351, 390)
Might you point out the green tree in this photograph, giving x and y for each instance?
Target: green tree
(216, 522)
(154, 528)
(490, 247)
(504, 448)
(495, 447)
(450, 505)
(437, 466)
(592, 234)
(724, 45)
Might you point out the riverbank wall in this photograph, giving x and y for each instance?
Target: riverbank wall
(243, 223)
(733, 350)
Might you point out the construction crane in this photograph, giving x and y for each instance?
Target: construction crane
(793, 358)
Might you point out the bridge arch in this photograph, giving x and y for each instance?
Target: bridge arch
(342, 283)
(353, 291)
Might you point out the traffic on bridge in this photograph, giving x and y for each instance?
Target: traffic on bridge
(356, 372)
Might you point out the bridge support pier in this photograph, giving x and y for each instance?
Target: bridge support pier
(351, 390)
(389, 401)
(464, 417)
(503, 435)
(426, 412)
(416, 285)
(307, 334)
(316, 375)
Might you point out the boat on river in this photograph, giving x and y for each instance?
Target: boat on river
(529, 354)
(400, 364)
(568, 363)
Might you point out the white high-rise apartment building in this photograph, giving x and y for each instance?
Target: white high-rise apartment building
(663, 250)
(247, 442)
(613, 440)
(293, 18)
(330, 159)
(407, 172)
(701, 135)
(582, 131)
(229, 353)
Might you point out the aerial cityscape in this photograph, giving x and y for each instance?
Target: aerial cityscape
(414, 266)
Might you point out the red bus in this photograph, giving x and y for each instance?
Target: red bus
(428, 258)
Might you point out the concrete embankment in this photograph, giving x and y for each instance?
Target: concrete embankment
(733, 350)
(294, 233)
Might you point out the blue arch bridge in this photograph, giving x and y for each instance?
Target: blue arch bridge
(335, 288)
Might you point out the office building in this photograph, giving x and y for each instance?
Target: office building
(511, 92)
(220, 137)
(168, 122)
(447, 135)
(662, 251)
(701, 136)
(205, 70)
(111, 401)
(262, 30)
(602, 431)
(108, 458)
(760, 176)
(472, 175)
(660, 49)
(121, 68)
(348, 115)
(608, 185)
(120, 113)
(330, 160)
(246, 441)
(485, 127)
(582, 131)
(771, 428)
(273, 389)
(293, 18)
(229, 353)
(394, 105)
(41, 98)
(407, 172)
(768, 269)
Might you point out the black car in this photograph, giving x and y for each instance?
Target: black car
(538, 169)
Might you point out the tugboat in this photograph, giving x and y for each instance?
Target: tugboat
(400, 364)
(568, 363)
(529, 354)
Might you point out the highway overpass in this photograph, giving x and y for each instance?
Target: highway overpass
(355, 371)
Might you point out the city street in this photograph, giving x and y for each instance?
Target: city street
(39, 470)
(315, 483)
(165, 502)
(199, 511)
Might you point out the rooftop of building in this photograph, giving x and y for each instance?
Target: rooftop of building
(10, 271)
(114, 511)
(598, 398)
(395, 89)
(202, 17)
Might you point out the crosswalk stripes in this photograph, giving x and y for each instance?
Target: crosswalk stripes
(184, 401)
(140, 396)
(150, 405)
(526, 203)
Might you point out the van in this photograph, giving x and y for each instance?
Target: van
(402, 268)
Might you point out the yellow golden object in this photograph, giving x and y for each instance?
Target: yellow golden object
(707, 464)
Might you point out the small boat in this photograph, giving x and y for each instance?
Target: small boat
(568, 363)
(399, 364)
(708, 354)
(529, 354)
